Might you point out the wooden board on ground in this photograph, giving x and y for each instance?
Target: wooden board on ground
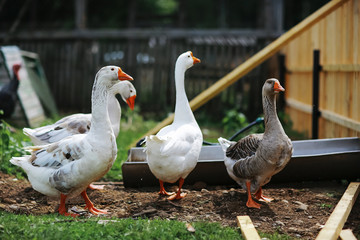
(347, 234)
(247, 228)
(29, 101)
(337, 219)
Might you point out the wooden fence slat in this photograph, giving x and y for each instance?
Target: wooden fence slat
(328, 115)
(325, 68)
(347, 234)
(247, 228)
(254, 61)
(337, 219)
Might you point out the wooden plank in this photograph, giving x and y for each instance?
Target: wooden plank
(326, 68)
(337, 219)
(347, 234)
(303, 107)
(248, 230)
(254, 61)
(328, 115)
(341, 120)
(341, 68)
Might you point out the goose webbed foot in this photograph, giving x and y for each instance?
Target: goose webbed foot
(90, 205)
(96, 187)
(178, 195)
(62, 208)
(250, 202)
(162, 189)
(259, 196)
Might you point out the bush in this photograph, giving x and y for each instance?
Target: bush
(9, 147)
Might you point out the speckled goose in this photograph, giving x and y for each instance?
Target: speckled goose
(254, 159)
(65, 168)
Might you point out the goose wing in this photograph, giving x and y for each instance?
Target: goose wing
(58, 154)
(68, 126)
(176, 142)
(245, 147)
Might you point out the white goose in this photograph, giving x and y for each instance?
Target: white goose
(173, 152)
(80, 123)
(65, 168)
(254, 159)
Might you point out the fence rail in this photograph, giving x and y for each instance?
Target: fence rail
(71, 59)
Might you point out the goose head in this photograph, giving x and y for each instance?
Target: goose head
(272, 86)
(110, 75)
(127, 92)
(187, 60)
(16, 67)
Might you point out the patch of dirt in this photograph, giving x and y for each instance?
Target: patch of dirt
(298, 209)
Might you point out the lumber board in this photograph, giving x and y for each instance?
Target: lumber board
(328, 115)
(247, 228)
(254, 61)
(338, 217)
(325, 68)
(347, 234)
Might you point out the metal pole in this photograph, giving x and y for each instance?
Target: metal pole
(316, 78)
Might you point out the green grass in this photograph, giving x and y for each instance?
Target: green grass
(54, 226)
(59, 227)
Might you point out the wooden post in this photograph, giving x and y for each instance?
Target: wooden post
(80, 14)
(337, 219)
(247, 228)
(254, 61)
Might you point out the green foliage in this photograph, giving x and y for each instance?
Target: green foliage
(234, 121)
(10, 146)
(59, 227)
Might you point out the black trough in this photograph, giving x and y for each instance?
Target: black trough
(312, 160)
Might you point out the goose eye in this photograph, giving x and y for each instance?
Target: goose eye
(188, 56)
(112, 69)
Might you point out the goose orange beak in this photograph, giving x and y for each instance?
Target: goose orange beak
(131, 102)
(196, 60)
(278, 87)
(123, 76)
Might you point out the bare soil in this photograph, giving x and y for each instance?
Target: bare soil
(298, 209)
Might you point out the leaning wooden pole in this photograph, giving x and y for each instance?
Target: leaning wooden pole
(254, 61)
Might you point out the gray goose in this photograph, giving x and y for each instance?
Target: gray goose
(254, 159)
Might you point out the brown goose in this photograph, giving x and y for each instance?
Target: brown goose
(254, 159)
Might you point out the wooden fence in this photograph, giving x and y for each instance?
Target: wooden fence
(71, 59)
(337, 37)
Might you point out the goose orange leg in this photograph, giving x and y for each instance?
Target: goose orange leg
(62, 207)
(259, 196)
(90, 205)
(250, 202)
(178, 195)
(162, 189)
(96, 187)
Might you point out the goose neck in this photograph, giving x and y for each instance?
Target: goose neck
(183, 111)
(271, 119)
(114, 111)
(100, 122)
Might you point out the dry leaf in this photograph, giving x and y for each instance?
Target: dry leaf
(190, 228)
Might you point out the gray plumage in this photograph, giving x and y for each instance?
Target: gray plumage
(257, 157)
